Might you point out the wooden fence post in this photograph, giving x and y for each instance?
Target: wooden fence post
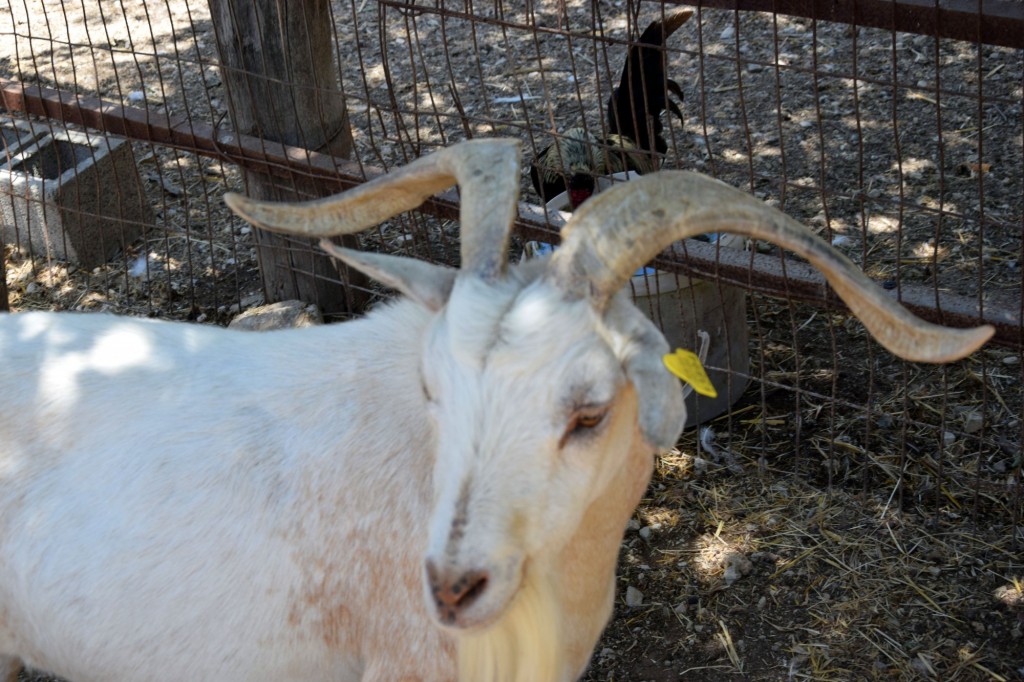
(282, 85)
(5, 304)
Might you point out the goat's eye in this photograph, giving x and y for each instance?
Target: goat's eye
(584, 421)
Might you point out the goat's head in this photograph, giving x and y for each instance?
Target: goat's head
(543, 376)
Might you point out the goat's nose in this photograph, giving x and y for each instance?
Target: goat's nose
(454, 591)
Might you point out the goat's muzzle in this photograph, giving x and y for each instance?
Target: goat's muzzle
(455, 591)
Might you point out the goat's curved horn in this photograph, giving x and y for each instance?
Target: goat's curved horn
(487, 171)
(619, 230)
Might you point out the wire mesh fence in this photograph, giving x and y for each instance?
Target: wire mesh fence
(893, 129)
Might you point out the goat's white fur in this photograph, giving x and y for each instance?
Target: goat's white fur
(186, 502)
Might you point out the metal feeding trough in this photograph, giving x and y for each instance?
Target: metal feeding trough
(70, 196)
(681, 307)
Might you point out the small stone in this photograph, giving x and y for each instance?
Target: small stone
(948, 438)
(634, 597)
(32, 288)
(766, 557)
(762, 602)
(136, 96)
(921, 666)
(252, 299)
(1011, 360)
(727, 33)
(645, 532)
(973, 421)
(738, 566)
(731, 574)
(211, 77)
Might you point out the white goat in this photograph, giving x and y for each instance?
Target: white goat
(435, 492)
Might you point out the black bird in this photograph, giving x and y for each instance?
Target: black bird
(573, 161)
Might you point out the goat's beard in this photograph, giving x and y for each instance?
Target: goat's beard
(525, 644)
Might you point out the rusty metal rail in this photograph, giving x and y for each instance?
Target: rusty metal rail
(761, 273)
(992, 22)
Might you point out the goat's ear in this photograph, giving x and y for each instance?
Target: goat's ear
(426, 283)
(661, 409)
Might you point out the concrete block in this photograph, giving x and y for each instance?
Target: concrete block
(16, 134)
(73, 196)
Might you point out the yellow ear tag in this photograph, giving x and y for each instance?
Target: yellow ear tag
(686, 365)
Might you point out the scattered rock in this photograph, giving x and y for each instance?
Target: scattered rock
(973, 421)
(1011, 597)
(283, 315)
(736, 567)
(766, 557)
(634, 597)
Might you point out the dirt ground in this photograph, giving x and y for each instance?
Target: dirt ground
(854, 517)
